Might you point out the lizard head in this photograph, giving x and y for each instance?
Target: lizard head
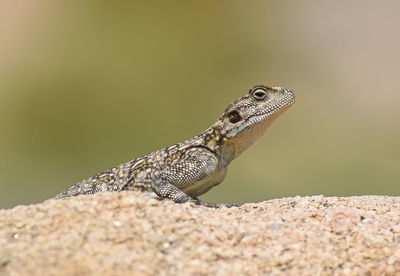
(246, 119)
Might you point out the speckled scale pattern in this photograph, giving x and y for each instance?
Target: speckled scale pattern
(184, 171)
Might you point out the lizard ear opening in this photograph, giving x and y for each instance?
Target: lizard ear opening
(234, 117)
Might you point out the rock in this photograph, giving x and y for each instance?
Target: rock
(129, 233)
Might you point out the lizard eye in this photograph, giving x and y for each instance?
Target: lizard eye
(259, 94)
(234, 117)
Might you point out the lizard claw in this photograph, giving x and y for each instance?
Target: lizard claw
(215, 205)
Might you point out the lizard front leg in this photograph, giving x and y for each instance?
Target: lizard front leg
(167, 190)
(194, 170)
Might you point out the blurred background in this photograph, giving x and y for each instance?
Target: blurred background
(87, 85)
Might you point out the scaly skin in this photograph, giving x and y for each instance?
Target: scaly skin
(186, 170)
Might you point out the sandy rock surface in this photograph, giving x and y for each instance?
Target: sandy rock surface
(129, 233)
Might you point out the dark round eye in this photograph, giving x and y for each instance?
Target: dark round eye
(234, 117)
(259, 94)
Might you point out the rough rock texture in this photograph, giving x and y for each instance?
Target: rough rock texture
(129, 233)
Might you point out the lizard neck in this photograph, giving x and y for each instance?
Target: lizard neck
(228, 148)
(214, 138)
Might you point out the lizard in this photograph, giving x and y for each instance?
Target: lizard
(184, 171)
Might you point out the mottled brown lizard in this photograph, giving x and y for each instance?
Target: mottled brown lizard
(186, 170)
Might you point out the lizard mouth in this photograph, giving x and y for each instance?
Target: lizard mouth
(272, 110)
(255, 124)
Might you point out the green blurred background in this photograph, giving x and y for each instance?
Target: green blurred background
(86, 85)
